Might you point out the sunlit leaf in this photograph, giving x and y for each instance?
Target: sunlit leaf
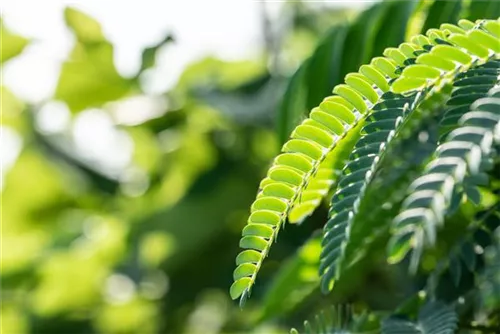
(89, 77)
(12, 44)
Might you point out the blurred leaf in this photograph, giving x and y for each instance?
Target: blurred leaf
(296, 280)
(12, 44)
(393, 28)
(434, 317)
(294, 104)
(200, 209)
(86, 29)
(155, 247)
(324, 66)
(190, 154)
(68, 280)
(133, 316)
(89, 78)
(442, 12)
(244, 105)
(22, 201)
(12, 108)
(343, 50)
(482, 9)
(149, 54)
(360, 39)
(13, 320)
(212, 72)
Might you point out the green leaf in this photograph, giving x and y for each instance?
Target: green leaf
(243, 270)
(89, 77)
(12, 44)
(238, 287)
(363, 31)
(442, 12)
(149, 54)
(481, 9)
(294, 104)
(248, 256)
(298, 274)
(324, 66)
(392, 32)
(85, 28)
(253, 242)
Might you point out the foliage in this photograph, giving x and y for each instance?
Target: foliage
(122, 210)
(407, 147)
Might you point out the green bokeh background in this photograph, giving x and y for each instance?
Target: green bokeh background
(149, 249)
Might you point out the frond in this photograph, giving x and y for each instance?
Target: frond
(338, 320)
(469, 86)
(290, 177)
(431, 75)
(433, 318)
(318, 142)
(378, 130)
(460, 162)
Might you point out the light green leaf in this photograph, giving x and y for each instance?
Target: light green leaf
(89, 77)
(12, 44)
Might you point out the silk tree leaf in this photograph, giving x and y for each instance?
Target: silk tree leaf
(342, 50)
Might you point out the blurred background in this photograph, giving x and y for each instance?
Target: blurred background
(134, 136)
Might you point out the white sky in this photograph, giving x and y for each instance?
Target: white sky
(230, 29)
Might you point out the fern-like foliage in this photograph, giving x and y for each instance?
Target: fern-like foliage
(432, 71)
(436, 96)
(291, 182)
(469, 86)
(300, 175)
(434, 318)
(311, 144)
(378, 130)
(461, 161)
